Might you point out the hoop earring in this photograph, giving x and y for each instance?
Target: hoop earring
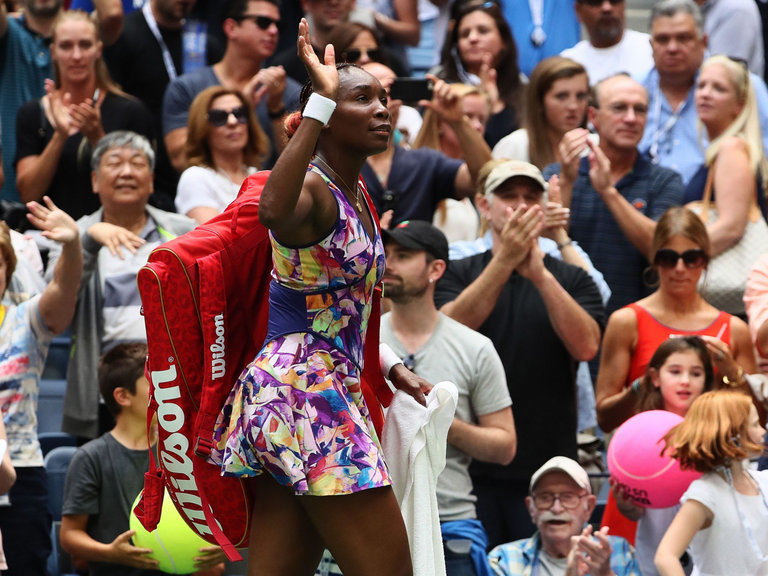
(650, 277)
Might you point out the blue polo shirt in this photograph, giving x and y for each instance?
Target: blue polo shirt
(651, 190)
(26, 63)
(674, 140)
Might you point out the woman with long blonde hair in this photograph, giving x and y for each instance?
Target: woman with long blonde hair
(55, 134)
(727, 109)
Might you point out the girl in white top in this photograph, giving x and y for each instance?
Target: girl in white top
(724, 515)
(224, 145)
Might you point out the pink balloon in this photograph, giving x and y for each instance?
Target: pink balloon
(649, 478)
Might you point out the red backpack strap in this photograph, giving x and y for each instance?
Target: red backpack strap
(150, 504)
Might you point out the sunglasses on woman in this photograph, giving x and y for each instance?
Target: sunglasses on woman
(219, 117)
(353, 54)
(667, 258)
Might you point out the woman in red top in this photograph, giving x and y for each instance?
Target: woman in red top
(680, 253)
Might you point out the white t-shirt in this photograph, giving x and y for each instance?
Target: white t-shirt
(632, 55)
(202, 186)
(724, 549)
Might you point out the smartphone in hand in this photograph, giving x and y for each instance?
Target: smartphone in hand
(411, 90)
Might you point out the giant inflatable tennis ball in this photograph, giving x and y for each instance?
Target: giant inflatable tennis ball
(635, 460)
(174, 544)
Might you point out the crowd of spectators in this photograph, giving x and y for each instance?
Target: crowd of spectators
(557, 164)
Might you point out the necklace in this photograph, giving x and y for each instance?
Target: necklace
(357, 188)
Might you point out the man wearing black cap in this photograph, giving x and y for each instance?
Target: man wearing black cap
(543, 316)
(438, 348)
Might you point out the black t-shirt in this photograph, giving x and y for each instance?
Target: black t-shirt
(71, 188)
(418, 180)
(541, 374)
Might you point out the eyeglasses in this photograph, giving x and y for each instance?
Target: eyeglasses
(666, 258)
(219, 117)
(263, 22)
(409, 362)
(568, 500)
(595, 3)
(353, 54)
(621, 109)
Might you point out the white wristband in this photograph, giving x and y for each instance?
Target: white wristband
(319, 107)
(387, 359)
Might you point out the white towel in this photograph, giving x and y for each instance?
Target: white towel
(414, 443)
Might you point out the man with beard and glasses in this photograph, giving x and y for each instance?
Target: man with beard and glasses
(437, 348)
(25, 63)
(611, 47)
(560, 503)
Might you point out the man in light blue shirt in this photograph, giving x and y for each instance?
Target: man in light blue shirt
(679, 45)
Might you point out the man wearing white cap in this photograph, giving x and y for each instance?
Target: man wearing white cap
(543, 316)
(560, 503)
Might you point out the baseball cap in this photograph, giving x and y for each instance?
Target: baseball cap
(565, 465)
(510, 169)
(419, 235)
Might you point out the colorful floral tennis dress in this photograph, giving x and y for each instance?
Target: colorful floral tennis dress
(297, 411)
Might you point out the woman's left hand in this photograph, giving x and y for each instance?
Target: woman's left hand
(405, 380)
(722, 358)
(87, 115)
(445, 102)
(489, 81)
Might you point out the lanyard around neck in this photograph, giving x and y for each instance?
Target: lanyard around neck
(170, 67)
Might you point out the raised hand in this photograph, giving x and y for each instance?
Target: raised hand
(56, 224)
(590, 553)
(519, 233)
(599, 169)
(324, 76)
(445, 102)
(269, 82)
(556, 216)
(87, 115)
(570, 149)
(59, 106)
(489, 82)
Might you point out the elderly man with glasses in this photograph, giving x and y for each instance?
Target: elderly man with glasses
(560, 503)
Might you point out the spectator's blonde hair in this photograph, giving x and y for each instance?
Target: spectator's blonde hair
(103, 80)
(747, 124)
(715, 432)
(429, 135)
(7, 251)
(198, 129)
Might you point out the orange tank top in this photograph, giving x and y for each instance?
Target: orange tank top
(650, 334)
